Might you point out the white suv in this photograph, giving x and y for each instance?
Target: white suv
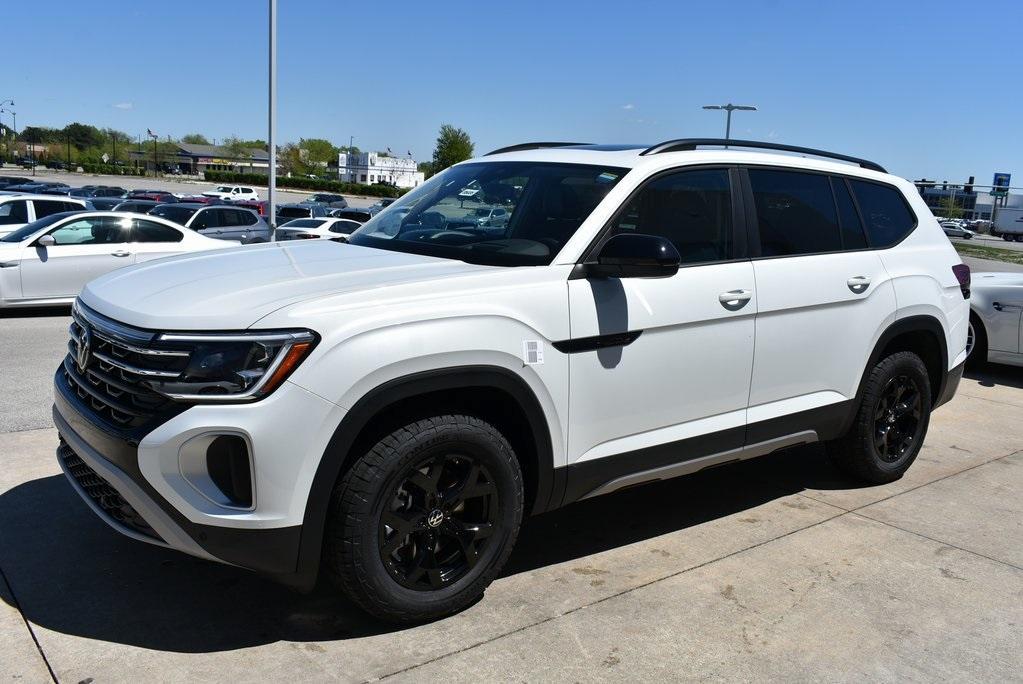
(389, 409)
(234, 193)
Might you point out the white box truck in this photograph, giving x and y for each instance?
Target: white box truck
(1009, 224)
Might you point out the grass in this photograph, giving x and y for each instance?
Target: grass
(991, 253)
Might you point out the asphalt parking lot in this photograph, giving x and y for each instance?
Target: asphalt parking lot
(772, 569)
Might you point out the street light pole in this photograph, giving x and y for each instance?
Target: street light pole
(272, 123)
(729, 108)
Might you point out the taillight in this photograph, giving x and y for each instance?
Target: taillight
(306, 236)
(962, 273)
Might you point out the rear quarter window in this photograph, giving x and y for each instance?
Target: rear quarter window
(886, 216)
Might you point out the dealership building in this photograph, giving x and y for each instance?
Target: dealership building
(193, 159)
(374, 167)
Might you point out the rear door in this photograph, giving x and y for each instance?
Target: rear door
(237, 224)
(152, 240)
(823, 297)
(85, 249)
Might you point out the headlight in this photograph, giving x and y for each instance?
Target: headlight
(233, 367)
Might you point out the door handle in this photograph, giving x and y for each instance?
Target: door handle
(120, 253)
(1006, 306)
(733, 300)
(858, 284)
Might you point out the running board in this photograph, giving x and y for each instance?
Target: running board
(686, 467)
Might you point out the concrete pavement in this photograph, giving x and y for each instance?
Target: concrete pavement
(776, 569)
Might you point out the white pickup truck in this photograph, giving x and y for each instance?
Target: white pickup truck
(1009, 224)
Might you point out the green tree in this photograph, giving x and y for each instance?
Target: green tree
(318, 150)
(950, 208)
(453, 146)
(83, 135)
(195, 139)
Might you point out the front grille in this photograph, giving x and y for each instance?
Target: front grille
(114, 380)
(102, 494)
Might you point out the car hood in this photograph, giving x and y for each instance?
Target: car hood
(232, 289)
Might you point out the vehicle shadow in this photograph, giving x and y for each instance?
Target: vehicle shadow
(72, 574)
(993, 374)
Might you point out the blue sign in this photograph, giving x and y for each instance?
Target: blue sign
(1000, 185)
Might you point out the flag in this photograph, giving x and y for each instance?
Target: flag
(388, 150)
(409, 153)
(150, 133)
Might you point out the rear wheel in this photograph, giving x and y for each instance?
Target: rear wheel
(891, 422)
(424, 521)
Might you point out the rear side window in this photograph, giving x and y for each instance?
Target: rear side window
(795, 213)
(13, 212)
(151, 231)
(693, 209)
(888, 220)
(246, 218)
(47, 207)
(848, 218)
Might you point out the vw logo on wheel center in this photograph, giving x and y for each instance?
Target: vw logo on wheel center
(84, 347)
(435, 518)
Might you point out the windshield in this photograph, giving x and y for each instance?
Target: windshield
(545, 204)
(34, 227)
(224, 188)
(170, 212)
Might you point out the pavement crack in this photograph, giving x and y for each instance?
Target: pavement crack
(28, 625)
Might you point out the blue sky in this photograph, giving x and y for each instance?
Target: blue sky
(924, 88)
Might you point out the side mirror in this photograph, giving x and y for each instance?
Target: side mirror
(635, 256)
(46, 241)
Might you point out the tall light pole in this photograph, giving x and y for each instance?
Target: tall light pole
(731, 108)
(271, 143)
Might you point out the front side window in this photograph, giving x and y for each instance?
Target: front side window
(13, 212)
(151, 231)
(179, 215)
(546, 202)
(795, 213)
(93, 230)
(47, 207)
(692, 209)
(887, 217)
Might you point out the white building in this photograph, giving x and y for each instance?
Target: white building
(373, 167)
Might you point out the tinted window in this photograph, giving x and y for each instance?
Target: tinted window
(150, 231)
(795, 212)
(853, 236)
(47, 207)
(693, 209)
(94, 230)
(885, 213)
(206, 219)
(246, 218)
(172, 213)
(289, 212)
(303, 223)
(13, 212)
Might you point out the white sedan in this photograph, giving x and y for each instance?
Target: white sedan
(320, 227)
(996, 314)
(48, 261)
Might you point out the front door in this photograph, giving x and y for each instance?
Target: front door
(84, 249)
(660, 367)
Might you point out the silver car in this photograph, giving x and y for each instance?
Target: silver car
(996, 319)
(219, 221)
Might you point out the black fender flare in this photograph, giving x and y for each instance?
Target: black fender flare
(337, 454)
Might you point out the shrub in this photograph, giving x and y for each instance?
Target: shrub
(305, 184)
(109, 169)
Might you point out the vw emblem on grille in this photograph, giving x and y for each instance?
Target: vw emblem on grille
(435, 518)
(84, 345)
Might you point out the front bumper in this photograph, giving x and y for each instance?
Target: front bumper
(134, 483)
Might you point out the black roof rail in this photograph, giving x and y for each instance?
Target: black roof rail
(532, 146)
(685, 144)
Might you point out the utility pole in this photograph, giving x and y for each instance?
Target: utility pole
(271, 136)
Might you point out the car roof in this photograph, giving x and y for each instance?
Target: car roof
(32, 195)
(631, 156)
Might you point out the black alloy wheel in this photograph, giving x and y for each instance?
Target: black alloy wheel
(897, 418)
(438, 523)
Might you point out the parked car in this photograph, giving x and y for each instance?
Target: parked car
(493, 219)
(20, 209)
(103, 203)
(97, 191)
(380, 205)
(38, 188)
(12, 180)
(287, 212)
(261, 207)
(390, 409)
(327, 199)
(200, 199)
(310, 228)
(222, 222)
(233, 192)
(48, 261)
(358, 215)
(136, 206)
(957, 230)
(996, 319)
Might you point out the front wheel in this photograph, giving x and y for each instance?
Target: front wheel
(423, 522)
(891, 421)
